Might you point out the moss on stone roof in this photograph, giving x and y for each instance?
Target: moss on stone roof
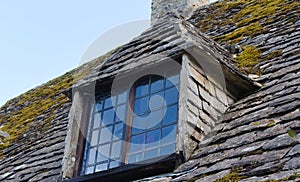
(32, 110)
(22, 111)
(248, 17)
(234, 22)
(241, 22)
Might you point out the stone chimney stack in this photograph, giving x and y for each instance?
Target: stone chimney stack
(180, 7)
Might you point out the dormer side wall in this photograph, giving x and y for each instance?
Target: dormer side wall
(202, 102)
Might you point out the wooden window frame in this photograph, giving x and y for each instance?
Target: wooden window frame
(157, 165)
(132, 172)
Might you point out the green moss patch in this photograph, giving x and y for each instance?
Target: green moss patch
(256, 11)
(241, 20)
(231, 177)
(32, 104)
(43, 101)
(251, 30)
(248, 59)
(272, 55)
(293, 177)
(249, 17)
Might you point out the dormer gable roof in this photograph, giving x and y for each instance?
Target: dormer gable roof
(169, 38)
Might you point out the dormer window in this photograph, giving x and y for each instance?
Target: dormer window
(133, 126)
(147, 124)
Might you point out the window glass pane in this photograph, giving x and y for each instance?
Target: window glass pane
(142, 88)
(156, 101)
(155, 119)
(121, 113)
(99, 105)
(89, 170)
(141, 106)
(103, 153)
(137, 143)
(152, 138)
(167, 150)
(151, 154)
(171, 115)
(133, 158)
(116, 149)
(122, 98)
(139, 124)
(168, 134)
(94, 137)
(106, 135)
(156, 115)
(101, 167)
(153, 131)
(114, 164)
(108, 117)
(108, 103)
(172, 81)
(114, 100)
(118, 131)
(96, 120)
(91, 156)
(157, 84)
(171, 96)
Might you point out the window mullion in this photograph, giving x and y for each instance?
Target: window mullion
(129, 118)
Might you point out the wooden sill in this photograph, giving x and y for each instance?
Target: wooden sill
(132, 172)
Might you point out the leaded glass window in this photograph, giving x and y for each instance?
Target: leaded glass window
(119, 135)
(153, 130)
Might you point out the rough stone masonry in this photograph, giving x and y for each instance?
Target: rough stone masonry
(179, 7)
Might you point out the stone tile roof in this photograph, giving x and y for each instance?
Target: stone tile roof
(37, 124)
(37, 157)
(258, 138)
(169, 38)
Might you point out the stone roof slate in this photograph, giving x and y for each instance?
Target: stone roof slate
(258, 139)
(169, 38)
(39, 159)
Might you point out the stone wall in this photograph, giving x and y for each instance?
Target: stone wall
(180, 7)
(202, 102)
